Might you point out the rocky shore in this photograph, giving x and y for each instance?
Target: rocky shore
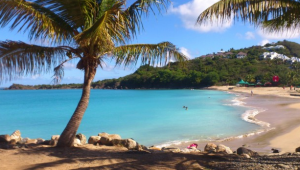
(110, 151)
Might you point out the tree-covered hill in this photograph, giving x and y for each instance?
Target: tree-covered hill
(205, 71)
(202, 72)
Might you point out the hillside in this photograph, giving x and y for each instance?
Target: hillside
(206, 71)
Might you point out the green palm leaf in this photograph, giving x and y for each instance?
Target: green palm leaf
(38, 20)
(18, 59)
(148, 53)
(271, 14)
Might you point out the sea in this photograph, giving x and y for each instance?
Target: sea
(151, 117)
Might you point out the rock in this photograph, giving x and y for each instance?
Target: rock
(5, 138)
(283, 166)
(81, 138)
(128, 143)
(155, 148)
(103, 134)
(76, 142)
(297, 149)
(106, 141)
(46, 142)
(31, 141)
(175, 150)
(223, 148)
(16, 135)
(242, 150)
(40, 141)
(12, 142)
(94, 139)
(245, 156)
(275, 150)
(112, 136)
(131, 144)
(191, 150)
(210, 147)
(54, 140)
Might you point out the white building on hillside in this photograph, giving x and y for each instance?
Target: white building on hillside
(273, 55)
(274, 47)
(294, 59)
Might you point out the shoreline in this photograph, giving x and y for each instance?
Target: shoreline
(281, 113)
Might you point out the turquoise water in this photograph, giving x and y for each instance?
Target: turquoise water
(151, 117)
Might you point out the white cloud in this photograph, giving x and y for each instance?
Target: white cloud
(34, 77)
(250, 35)
(264, 42)
(185, 52)
(190, 11)
(288, 34)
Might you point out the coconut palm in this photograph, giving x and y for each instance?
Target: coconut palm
(88, 31)
(273, 15)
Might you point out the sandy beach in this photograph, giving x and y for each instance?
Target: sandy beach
(281, 112)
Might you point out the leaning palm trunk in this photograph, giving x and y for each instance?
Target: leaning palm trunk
(67, 137)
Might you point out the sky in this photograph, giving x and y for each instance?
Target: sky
(176, 25)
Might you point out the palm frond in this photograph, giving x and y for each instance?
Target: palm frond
(256, 12)
(18, 59)
(148, 53)
(59, 71)
(109, 29)
(38, 20)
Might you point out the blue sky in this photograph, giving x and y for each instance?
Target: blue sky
(177, 25)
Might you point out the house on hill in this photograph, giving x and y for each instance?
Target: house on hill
(241, 55)
(274, 47)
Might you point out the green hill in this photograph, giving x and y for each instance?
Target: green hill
(202, 72)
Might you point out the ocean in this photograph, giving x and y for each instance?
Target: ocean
(151, 117)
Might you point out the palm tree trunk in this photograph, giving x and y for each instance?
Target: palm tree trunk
(67, 137)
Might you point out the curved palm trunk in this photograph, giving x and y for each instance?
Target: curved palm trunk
(67, 137)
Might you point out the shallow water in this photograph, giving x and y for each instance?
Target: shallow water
(151, 117)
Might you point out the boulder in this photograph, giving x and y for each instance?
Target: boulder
(245, 156)
(16, 135)
(210, 147)
(243, 150)
(81, 138)
(175, 150)
(40, 141)
(4, 138)
(54, 140)
(223, 148)
(112, 136)
(31, 141)
(76, 142)
(103, 134)
(94, 139)
(297, 149)
(13, 142)
(128, 143)
(275, 150)
(154, 148)
(106, 141)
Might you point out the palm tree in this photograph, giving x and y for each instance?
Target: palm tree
(87, 30)
(273, 15)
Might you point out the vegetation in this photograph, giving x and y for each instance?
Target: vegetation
(87, 30)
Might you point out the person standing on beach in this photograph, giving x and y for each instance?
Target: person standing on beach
(251, 93)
